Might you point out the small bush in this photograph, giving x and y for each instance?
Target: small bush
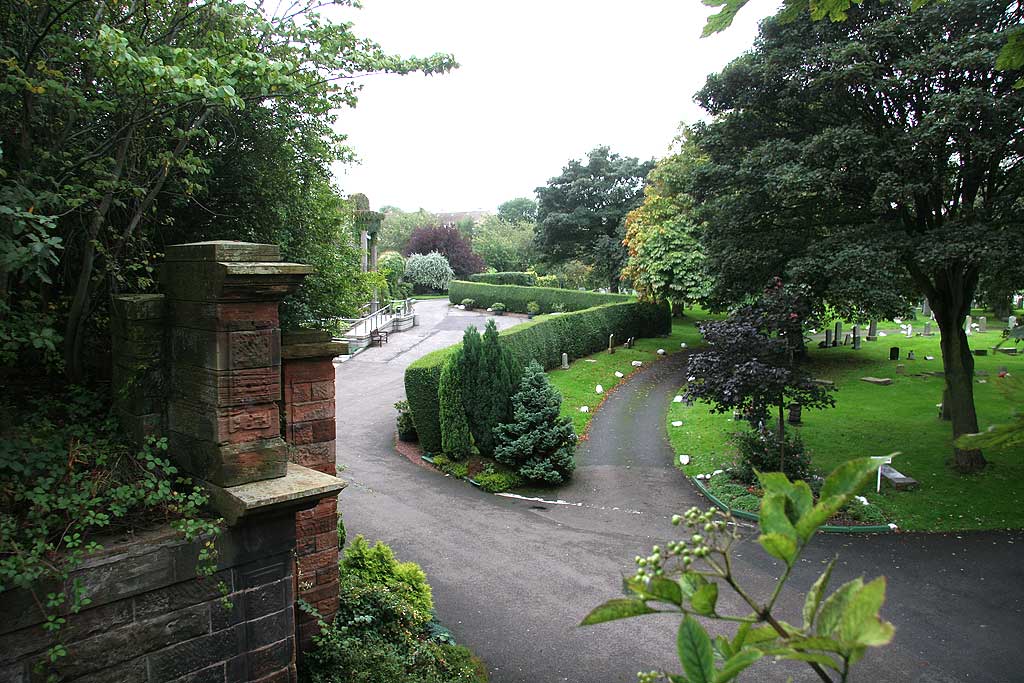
(537, 444)
(468, 304)
(384, 630)
(734, 495)
(497, 479)
(405, 423)
(507, 278)
(867, 515)
(498, 307)
(428, 272)
(759, 450)
(458, 470)
(377, 565)
(532, 308)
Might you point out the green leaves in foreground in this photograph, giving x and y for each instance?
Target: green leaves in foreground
(685, 578)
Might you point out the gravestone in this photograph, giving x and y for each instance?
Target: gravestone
(926, 308)
(837, 335)
(880, 381)
(846, 339)
(927, 329)
(828, 337)
(565, 361)
(911, 356)
(982, 323)
(910, 330)
(856, 342)
(872, 331)
(611, 343)
(967, 324)
(1011, 322)
(894, 353)
(795, 409)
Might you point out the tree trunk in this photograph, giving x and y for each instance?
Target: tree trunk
(782, 437)
(958, 398)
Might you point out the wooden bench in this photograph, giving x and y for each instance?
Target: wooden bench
(378, 337)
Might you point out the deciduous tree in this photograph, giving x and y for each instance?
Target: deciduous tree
(451, 243)
(885, 147)
(581, 212)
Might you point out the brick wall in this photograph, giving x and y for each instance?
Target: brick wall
(309, 426)
(152, 620)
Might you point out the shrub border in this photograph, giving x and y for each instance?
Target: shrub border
(545, 338)
(751, 517)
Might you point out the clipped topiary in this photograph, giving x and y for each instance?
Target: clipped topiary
(538, 443)
(376, 565)
(456, 439)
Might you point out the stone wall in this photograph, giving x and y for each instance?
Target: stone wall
(151, 618)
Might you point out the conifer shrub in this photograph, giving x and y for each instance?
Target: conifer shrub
(456, 438)
(537, 443)
(545, 339)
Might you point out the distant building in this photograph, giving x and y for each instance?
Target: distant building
(451, 219)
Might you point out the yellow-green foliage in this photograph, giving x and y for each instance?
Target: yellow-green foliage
(377, 565)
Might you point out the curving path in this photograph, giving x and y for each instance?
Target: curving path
(512, 578)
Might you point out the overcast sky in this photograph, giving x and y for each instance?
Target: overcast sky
(540, 82)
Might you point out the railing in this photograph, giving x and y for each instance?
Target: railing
(371, 320)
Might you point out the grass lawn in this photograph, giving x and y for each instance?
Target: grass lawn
(424, 297)
(878, 420)
(578, 383)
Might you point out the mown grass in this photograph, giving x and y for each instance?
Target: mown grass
(879, 420)
(578, 383)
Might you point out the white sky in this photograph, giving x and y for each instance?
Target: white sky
(541, 82)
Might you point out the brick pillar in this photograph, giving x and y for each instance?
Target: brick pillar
(137, 333)
(309, 427)
(225, 358)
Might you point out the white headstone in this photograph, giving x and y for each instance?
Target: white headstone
(1011, 322)
(584, 409)
(599, 389)
(677, 423)
(967, 325)
(661, 352)
(684, 459)
(910, 330)
(677, 399)
(637, 363)
(618, 374)
(565, 361)
(982, 324)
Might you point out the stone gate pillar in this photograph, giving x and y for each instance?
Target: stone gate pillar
(225, 358)
(309, 427)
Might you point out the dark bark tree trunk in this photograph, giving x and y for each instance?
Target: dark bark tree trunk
(782, 436)
(950, 291)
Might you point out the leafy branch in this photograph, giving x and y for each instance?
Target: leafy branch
(686, 576)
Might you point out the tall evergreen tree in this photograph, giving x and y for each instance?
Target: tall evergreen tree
(499, 379)
(456, 439)
(474, 396)
(538, 443)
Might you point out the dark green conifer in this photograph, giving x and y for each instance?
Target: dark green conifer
(456, 439)
(537, 443)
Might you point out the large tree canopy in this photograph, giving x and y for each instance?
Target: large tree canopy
(113, 114)
(868, 158)
(581, 213)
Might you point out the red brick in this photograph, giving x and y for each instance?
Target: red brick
(319, 370)
(326, 575)
(311, 563)
(298, 392)
(299, 434)
(327, 541)
(320, 593)
(305, 545)
(323, 390)
(328, 605)
(310, 411)
(315, 526)
(323, 430)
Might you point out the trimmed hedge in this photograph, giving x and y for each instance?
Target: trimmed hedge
(516, 297)
(522, 279)
(543, 339)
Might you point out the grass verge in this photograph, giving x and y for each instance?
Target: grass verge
(878, 420)
(578, 384)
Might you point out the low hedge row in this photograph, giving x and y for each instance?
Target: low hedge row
(516, 297)
(522, 279)
(543, 339)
